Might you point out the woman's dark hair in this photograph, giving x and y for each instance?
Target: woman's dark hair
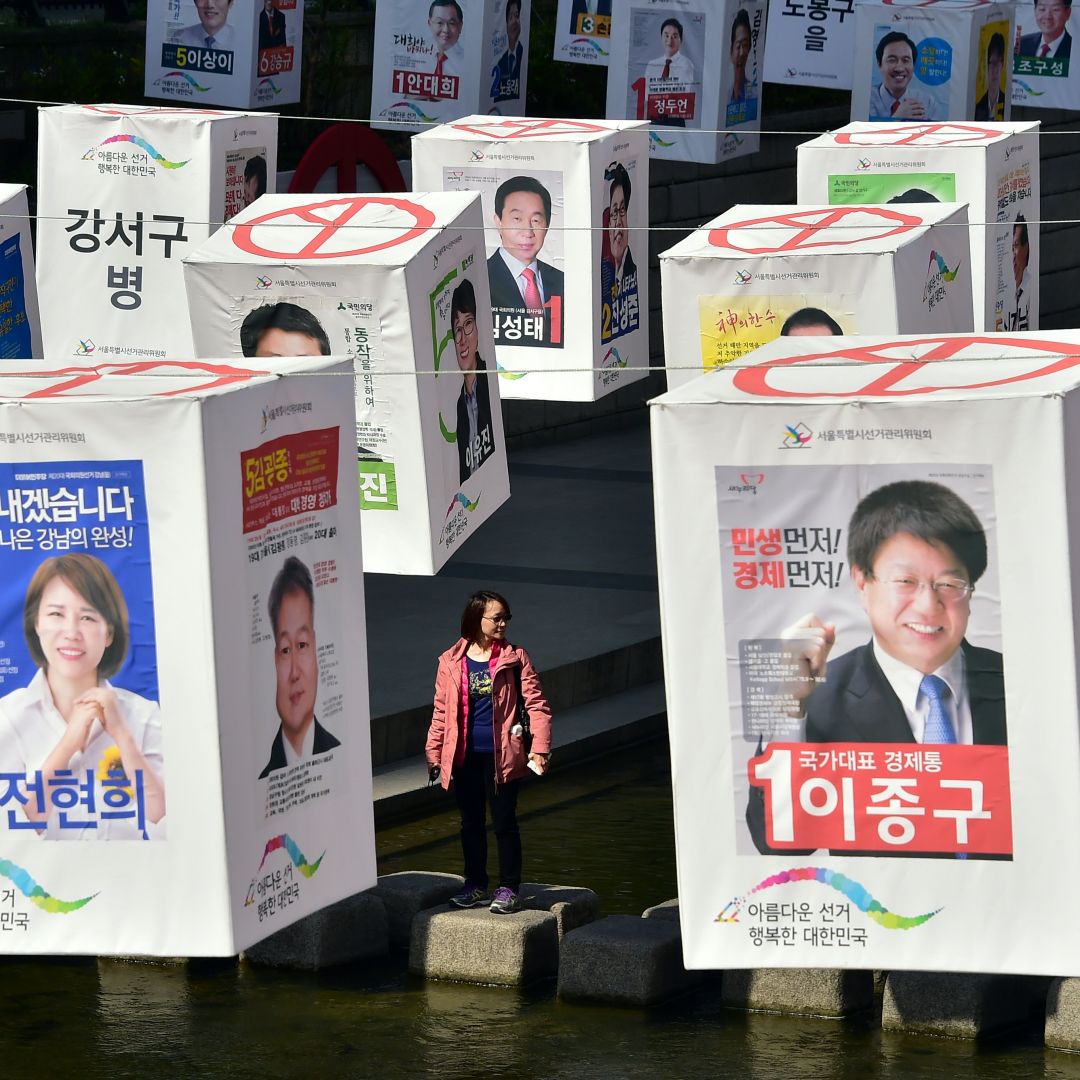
(474, 612)
(95, 583)
(930, 512)
(463, 301)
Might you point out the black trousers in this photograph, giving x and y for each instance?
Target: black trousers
(474, 787)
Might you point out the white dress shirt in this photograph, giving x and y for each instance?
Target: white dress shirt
(905, 683)
(516, 267)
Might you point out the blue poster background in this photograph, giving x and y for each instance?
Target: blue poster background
(92, 507)
(14, 325)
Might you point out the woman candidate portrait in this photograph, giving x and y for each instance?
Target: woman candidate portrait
(71, 719)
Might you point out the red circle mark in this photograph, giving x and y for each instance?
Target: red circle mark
(754, 380)
(914, 134)
(164, 110)
(810, 224)
(421, 215)
(83, 376)
(532, 129)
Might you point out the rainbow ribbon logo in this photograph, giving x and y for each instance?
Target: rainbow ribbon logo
(1027, 89)
(855, 892)
(185, 77)
(420, 114)
(618, 361)
(139, 141)
(588, 41)
(287, 843)
(271, 84)
(460, 498)
(655, 140)
(505, 374)
(36, 894)
(943, 270)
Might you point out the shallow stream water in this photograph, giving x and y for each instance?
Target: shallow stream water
(608, 827)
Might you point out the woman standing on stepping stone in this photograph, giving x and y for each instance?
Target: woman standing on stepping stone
(477, 741)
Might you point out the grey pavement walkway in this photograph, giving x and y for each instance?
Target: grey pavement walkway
(573, 550)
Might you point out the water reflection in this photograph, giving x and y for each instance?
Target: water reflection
(234, 1020)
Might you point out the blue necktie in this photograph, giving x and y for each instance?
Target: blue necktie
(210, 41)
(938, 727)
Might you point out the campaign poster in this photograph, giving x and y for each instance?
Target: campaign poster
(15, 326)
(623, 219)
(82, 750)
(831, 617)
(666, 58)
(524, 222)
(743, 77)
(1042, 77)
(991, 75)
(290, 499)
(883, 187)
(428, 62)
(239, 53)
(245, 178)
(583, 32)
(910, 79)
(464, 376)
(810, 43)
(507, 58)
(735, 324)
(284, 325)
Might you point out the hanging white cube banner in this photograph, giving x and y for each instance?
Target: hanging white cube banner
(124, 192)
(693, 69)
(761, 272)
(399, 284)
(938, 60)
(566, 211)
(859, 709)
(435, 62)
(184, 689)
(994, 168)
(244, 54)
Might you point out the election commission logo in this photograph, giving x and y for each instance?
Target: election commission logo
(796, 437)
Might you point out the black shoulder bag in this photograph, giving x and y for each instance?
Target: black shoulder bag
(523, 713)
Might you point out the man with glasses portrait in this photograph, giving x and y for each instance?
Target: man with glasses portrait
(915, 550)
(475, 435)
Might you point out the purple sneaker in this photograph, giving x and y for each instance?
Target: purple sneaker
(470, 896)
(505, 901)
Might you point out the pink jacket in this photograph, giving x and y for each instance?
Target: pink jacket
(446, 739)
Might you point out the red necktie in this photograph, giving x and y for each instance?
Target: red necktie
(439, 64)
(532, 291)
(893, 107)
(667, 69)
(1044, 50)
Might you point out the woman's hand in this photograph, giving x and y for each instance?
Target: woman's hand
(79, 726)
(540, 761)
(103, 699)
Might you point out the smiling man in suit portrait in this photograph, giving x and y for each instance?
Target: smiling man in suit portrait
(916, 551)
(520, 281)
(1052, 40)
(292, 622)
